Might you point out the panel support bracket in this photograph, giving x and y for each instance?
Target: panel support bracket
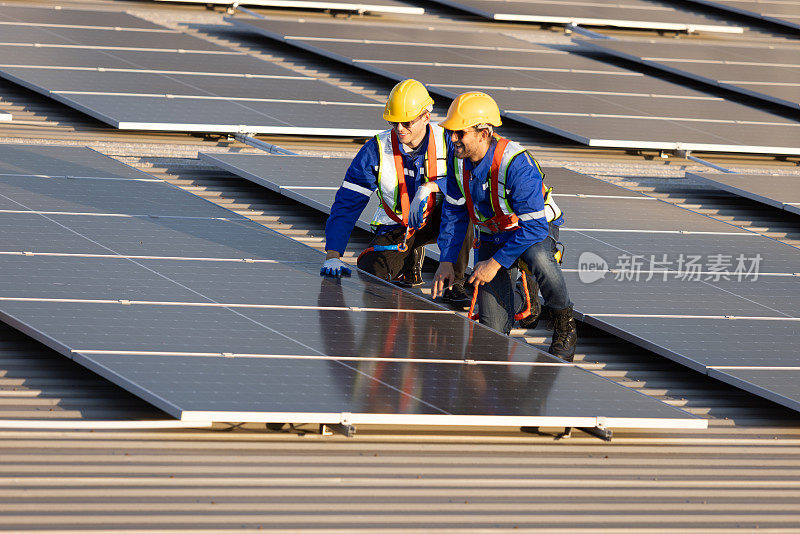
(599, 430)
(342, 427)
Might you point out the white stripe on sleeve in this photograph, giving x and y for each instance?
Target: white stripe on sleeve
(357, 188)
(532, 215)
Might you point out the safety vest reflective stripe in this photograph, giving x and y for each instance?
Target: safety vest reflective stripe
(455, 202)
(392, 189)
(532, 216)
(357, 188)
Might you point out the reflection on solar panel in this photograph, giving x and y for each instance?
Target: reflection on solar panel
(376, 6)
(696, 290)
(583, 99)
(781, 192)
(141, 76)
(632, 14)
(212, 317)
(783, 12)
(767, 72)
(5, 116)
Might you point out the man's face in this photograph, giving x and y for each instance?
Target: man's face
(412, 133)
(467, 143)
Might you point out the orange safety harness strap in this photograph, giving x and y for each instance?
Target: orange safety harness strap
(402, 188)
(500, 221)
(521, 315)
(402, 191)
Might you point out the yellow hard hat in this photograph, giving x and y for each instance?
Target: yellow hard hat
(407, 101)
(470, 109)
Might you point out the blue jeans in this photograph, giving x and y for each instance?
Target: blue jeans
(496, 298)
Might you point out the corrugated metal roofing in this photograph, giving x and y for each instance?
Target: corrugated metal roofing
(741, 474)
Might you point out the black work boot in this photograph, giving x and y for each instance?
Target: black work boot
(564, 335)
(413, 276)
(457, 296)
(532, 320)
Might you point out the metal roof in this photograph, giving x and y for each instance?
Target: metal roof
(740, 474)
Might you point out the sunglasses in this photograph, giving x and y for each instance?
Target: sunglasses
(461, 133)
(407, 124)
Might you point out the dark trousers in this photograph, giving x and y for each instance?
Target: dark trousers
(496, 298)
(388, 264)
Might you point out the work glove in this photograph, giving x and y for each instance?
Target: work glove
(416, 217)
(335, 267)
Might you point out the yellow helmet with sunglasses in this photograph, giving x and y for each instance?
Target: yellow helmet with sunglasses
(407, 101)
(470, 109)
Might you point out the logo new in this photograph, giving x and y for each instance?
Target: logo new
(591, 267)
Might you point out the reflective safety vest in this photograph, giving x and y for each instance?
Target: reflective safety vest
(392, 174)
(504, 217)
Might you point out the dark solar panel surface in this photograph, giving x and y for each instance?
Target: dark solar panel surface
(630, 14)
(138, 60)
(107, 38)
(780, 12)
(199, 336)
(783, 383)
(774, 190)
(216, 104)
(609, 107)
(664, 267)
(74, 17)
(767, 72)
(87, 195)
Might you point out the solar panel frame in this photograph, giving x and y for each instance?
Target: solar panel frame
(653, 16)
(782, 382)
(781, 192)
(383, 6)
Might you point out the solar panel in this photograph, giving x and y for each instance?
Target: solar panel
(376, 6)
(785, 13)
(154, 78)
(220, 319)
(782, 382)
(632, 14)
(766, 72)
(666, 278)
(774, 190)
(11, 15)
(542, 87)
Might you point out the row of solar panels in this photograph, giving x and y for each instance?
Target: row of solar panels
(709, 295)
(213, 317)
(641, 14)
(138, 75)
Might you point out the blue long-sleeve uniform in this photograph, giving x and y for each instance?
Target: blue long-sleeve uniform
(524, 187)
(360, 181)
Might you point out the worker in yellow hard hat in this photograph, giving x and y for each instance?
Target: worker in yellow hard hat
(400, 164)
(498, 185)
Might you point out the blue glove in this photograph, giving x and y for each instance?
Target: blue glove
(416, 216)
(335, 267)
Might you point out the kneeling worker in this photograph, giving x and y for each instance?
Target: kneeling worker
(397, 163)
(497, 185)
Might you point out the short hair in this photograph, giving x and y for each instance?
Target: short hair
(484, 126)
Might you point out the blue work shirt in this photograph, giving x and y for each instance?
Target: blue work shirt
(361, 180)
(524, 188)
